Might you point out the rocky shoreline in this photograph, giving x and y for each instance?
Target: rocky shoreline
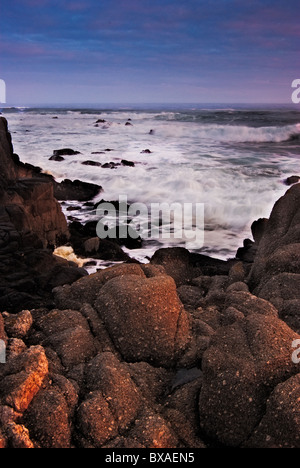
(183, 352)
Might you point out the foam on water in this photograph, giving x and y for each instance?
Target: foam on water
(233, 162)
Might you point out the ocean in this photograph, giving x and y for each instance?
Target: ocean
(232, 159)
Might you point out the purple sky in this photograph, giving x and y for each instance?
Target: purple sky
(149, 51)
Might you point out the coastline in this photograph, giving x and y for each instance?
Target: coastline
(185, 351)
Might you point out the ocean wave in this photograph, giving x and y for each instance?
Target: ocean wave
(232, 133)
(246, 134)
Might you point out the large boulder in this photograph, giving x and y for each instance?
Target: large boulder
(145, 318)
(87, 289)
(280, 426)
(242, 366)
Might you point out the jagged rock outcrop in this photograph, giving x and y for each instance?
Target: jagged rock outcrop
(275, 274)
(31, 224)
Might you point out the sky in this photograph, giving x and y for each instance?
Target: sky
(149, 51)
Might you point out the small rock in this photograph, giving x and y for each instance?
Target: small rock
(292, 180)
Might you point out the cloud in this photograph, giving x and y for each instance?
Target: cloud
(134, 41)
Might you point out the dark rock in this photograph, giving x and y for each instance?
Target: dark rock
(246, 303)
(48, 419)
(283, 229)
(65, 152)
(244, 362)
(258, 229)
(124, 162)
(146, 151)
(274, 274)
(91, 163)
(96, 421)
(183, 265)
(56, 158)
(114, 360)
(176, 262)
(110, 165)
(280, 426)
(18, 325)
(75, 190)
(248, 252)
(86, 290)
(292, 180)
(68, 334)
(190, 296)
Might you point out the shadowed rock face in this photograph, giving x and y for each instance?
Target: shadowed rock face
(31, 223)
(28, 203)
(275, 274)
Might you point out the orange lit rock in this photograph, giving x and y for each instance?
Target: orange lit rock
(23, 377)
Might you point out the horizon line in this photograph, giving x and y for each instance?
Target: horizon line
(125, 105)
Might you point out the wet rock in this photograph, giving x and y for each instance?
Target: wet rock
(65, 152)
(56, 158)
(292, 180)
(258, 229)
(91, 163)
(110, 165)
(75, 190)
(125, 162)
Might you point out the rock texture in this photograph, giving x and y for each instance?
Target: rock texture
(31, 224)
(275, 274)
(183, 352)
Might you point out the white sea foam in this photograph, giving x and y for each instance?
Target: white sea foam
(235, 166)
(67, 253)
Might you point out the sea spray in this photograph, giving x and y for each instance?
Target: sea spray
(232, 160)
(67, 253)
